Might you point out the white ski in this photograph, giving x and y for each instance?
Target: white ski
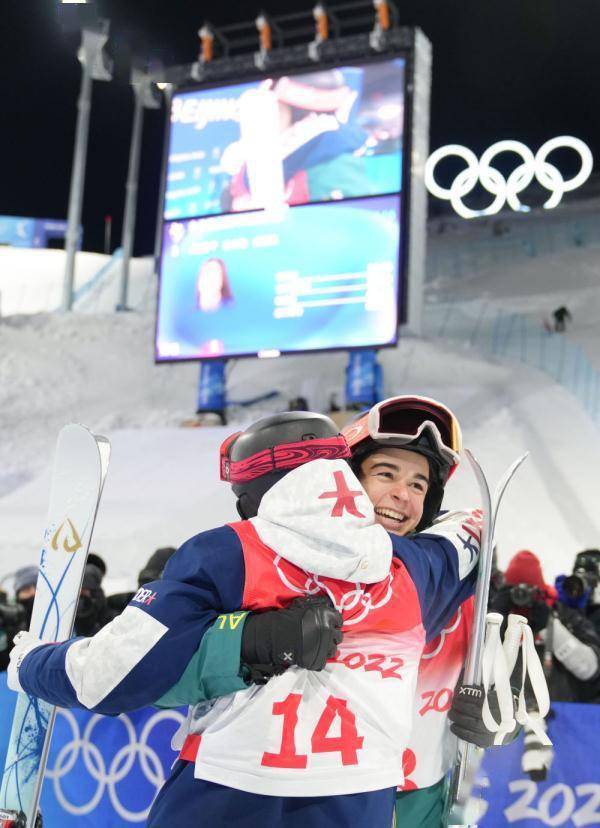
(468, 756)
(78, 475)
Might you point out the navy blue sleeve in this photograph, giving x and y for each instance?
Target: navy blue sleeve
(442, 580)
(143, 652)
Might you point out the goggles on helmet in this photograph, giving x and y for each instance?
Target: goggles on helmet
(399, 421)
(278, 458)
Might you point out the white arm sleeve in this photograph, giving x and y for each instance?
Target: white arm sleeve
(96, 665)
(579, 658)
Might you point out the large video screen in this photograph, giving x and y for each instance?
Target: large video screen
(297, 281)
(282, 215)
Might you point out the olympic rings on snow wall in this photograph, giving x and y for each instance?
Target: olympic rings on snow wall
(506, 190)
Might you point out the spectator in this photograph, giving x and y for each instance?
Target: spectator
(16, 617)
(523, 591)
(155, 565)
(91, 613)
(567, 639)
(560, 316)
(24, 585)
(151, 571)
(575, 633)
(583, 586)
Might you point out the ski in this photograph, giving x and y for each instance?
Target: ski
(78, 474)
(468, 756)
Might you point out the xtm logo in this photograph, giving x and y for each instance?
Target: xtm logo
(66, 537)
(144, 596)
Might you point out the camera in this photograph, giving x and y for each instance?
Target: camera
(13, 617)
(525, 595)
(580, 582)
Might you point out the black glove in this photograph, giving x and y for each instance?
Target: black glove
(467, 719)
(305, 633)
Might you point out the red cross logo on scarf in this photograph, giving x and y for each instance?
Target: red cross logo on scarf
(344, 497)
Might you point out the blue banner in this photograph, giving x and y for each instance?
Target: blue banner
(212, 386)
(364, 378)
(102, 771)
(571, 794)
(16, 231)
(106, 771)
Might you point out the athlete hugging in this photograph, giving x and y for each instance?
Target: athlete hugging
(296, 634)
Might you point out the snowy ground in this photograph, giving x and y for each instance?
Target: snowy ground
(95, 366)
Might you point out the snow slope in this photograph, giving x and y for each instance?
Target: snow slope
(163, 484)
(536, 286)
(95, 366)
(31, 281)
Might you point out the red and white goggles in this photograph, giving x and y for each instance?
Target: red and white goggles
(278, 458)
(401, 420)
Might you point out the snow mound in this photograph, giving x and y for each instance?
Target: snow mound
(163, 486)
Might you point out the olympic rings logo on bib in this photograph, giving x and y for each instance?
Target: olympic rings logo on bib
(506, 190)
(358, 601)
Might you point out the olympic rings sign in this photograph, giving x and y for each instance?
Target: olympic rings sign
(108, 773)
(506, 191)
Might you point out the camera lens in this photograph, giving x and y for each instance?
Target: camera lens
(522, 595)
(574, 586)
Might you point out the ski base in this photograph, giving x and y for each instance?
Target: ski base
(459, 807)
(79, 470)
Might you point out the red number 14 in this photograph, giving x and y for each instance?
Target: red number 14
(346, 744)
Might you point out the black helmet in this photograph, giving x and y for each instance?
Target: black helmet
(154, 566)
(588, 560)
(255, 459)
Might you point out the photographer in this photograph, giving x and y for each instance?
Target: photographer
(16, 617)
(589, 561)
(524, 592)
(91, 613)
(574, 636)
(581, 589)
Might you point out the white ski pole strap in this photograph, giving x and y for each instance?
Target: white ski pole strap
(536, 673)
(495, 674)
(532, 667)
(512, 640)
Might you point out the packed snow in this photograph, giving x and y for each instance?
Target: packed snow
(96, 366)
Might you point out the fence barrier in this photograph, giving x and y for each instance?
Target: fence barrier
(506, 335)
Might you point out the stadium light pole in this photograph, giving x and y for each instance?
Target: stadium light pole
(95, 66)
(146, 97)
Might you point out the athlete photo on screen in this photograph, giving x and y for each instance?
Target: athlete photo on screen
(212, 285)
(297, 139)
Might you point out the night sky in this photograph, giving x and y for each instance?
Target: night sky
(524, 69)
